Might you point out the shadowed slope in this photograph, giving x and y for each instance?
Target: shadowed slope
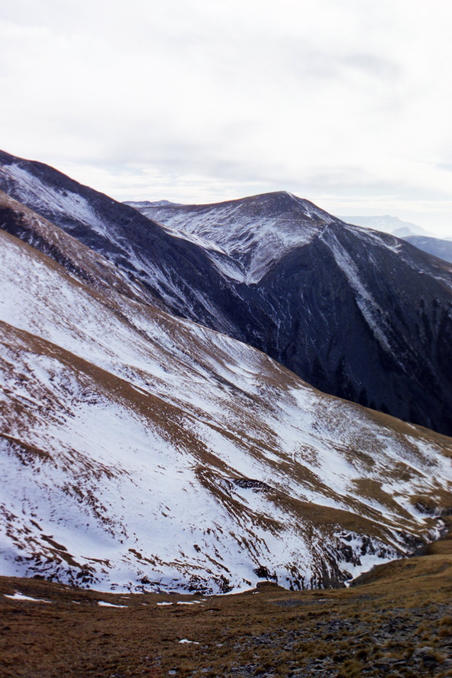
(356, 313)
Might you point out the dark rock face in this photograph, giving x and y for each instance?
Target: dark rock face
(356, 313)
(383, 340)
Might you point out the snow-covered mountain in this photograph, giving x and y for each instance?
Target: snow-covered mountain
(355, 312)
(139, 450)
(349, 309)
(173, 273)
(247, 237)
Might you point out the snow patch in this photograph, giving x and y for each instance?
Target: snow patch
(21, 596)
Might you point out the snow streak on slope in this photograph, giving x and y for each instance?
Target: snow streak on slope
(371, 311)
(42, 194)
(243, 237)
(439, 270)
(380, 336)
(142, 451)
(77, 259)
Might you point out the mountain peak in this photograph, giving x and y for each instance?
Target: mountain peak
(246, 236)
(277, 272)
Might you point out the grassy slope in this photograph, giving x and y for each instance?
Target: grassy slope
(328, 465)
(395, 621)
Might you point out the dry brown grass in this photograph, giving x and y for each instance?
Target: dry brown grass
(396, 620)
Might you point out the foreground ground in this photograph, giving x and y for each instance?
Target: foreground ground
(396, 621)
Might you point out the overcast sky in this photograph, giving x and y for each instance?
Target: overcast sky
(345, 102)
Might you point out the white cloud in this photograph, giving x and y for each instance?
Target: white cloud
(346, 102)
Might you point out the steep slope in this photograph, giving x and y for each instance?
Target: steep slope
(178, 275)
(246, 237)
(141, 451)
(357, 313)
(77, 259)
(436, 246)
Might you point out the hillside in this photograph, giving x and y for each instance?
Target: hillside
(354, 312)
(145, 452)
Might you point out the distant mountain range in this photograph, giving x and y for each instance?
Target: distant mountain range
(388, 224)
(357, 313)
(142, 451)
(412, 233)
(436, 246)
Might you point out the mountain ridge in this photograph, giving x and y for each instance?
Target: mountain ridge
(345, 248)
(284, 221)
(357, 313)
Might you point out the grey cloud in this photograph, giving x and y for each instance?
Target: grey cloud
(247, 97)
(445, 166)
(373, 65)
(357, 183)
